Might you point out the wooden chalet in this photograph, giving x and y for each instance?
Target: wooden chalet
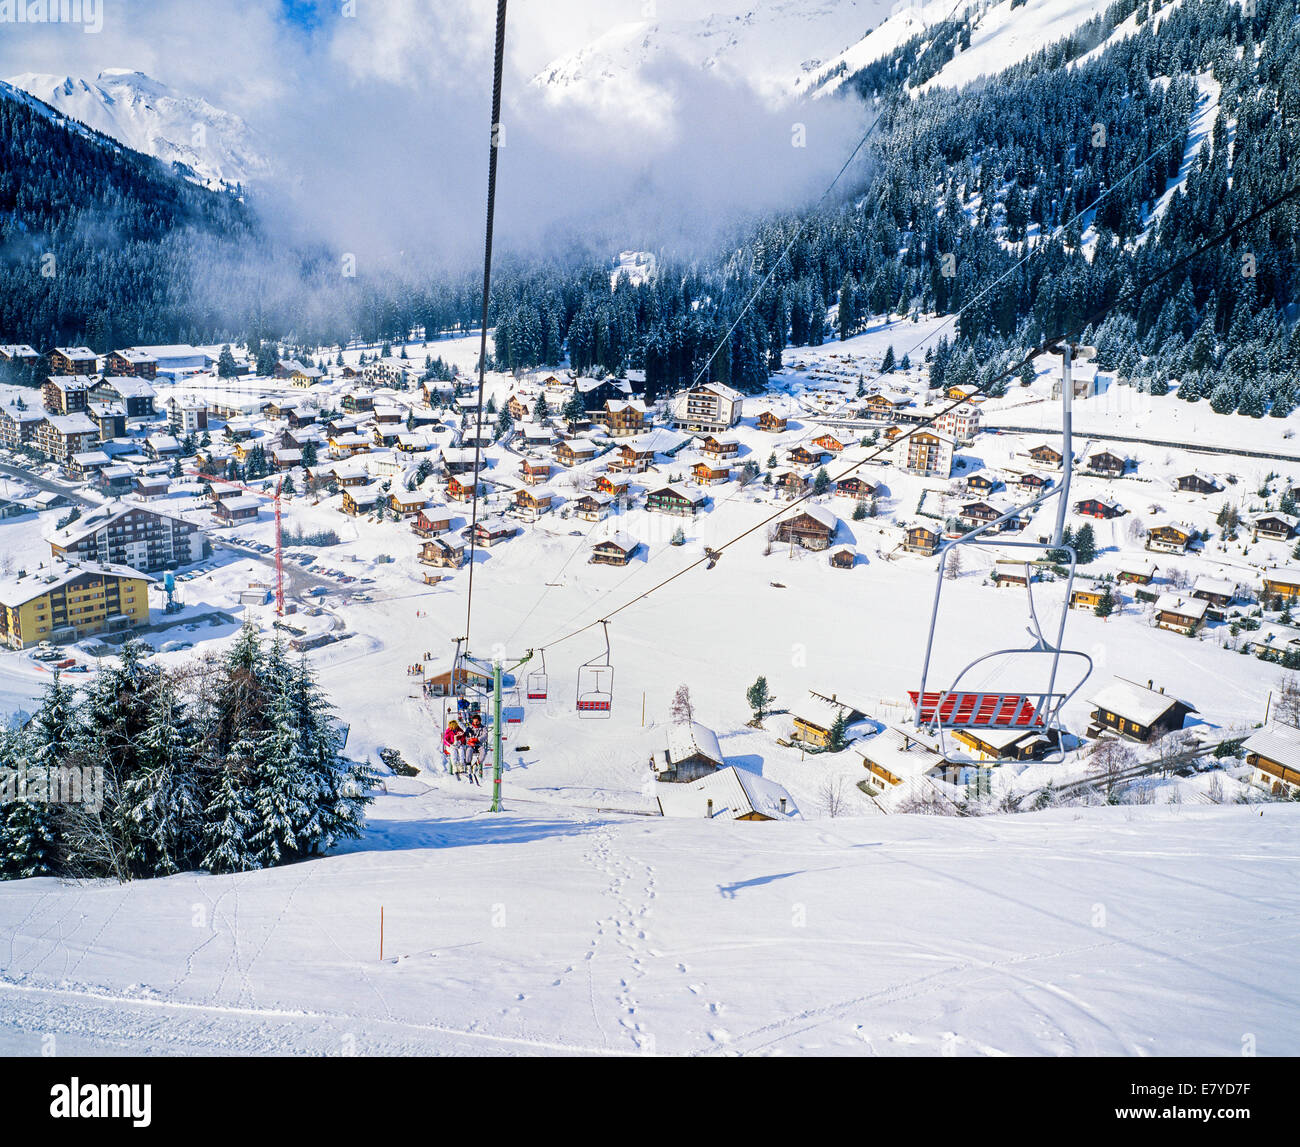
(894, 757)
(613, 485)
(622, 417)
(616, 550)
(1138, 574)
(675, 500)
(432, 521)
(131, 363)
(1169, 539)
(977, 514)
(361, 499)
(593, 507)
(1274, 753)
(1107, 464)
(443, 552)
(460, 489)
(1198, 483)
(1088, 598)
(357, 402)
(772, 423)
(1096, 508)
(407, 503)
(1004, 744)
(719, 449)
(832, 442)
(1282, 583)
(634, 458)
(802, 456)
(531, 504)
(981, 483)
(855, 487)
(490, 531)
(1273, 527)
(1217, 591)
(571, 452)
(814, 716)
(1046, 455)
(1032, 483)
(241, 508)
(791, 483)
(709, 474)
(729, 794)
(813, 528)
(1181, 614)
(921, 540)
(1136, 712)
(534, 473)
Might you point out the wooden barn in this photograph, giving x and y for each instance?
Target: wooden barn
(843, 558)
(1274, 753)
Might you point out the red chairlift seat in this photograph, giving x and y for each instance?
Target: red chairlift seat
(971, 710)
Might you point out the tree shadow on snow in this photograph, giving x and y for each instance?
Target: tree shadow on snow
(476, 829)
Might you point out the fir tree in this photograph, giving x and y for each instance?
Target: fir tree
(760, 698)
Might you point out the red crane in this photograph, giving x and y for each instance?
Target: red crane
(279, 529)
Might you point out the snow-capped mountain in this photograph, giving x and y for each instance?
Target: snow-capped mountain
(214, 147)
(764, 46)
(1003, 33)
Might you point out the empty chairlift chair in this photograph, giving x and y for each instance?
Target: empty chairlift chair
(596, 684)
(1040, 683)
(536, 681)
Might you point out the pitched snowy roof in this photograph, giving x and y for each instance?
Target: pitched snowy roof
(17, 590)
(1136, 702)
(1284, 576)
(625, 542)
(1183, 606)
(819, 514)
(904, 755)
(734, 794)
(1218, 586)
(1277, 742)
(688, 738)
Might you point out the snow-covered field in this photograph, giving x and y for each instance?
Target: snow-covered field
(1134, 932)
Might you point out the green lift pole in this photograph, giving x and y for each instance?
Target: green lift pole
(498, 673)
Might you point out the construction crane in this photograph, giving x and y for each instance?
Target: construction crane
(279, 528)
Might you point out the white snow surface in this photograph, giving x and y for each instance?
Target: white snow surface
(542, 931)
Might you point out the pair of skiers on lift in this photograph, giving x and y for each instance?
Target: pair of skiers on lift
(465, 746)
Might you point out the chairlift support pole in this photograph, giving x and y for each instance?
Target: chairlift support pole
(498, 669)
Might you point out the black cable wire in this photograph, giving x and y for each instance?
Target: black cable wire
(498, 66)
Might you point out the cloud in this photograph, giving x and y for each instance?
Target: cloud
(378, 124)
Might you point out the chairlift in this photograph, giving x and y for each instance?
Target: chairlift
(1031, 704)
(536, 687)
(596, 684)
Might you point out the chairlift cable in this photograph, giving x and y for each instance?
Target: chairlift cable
(498, 67)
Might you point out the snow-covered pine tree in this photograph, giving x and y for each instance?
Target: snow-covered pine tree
(29, 836)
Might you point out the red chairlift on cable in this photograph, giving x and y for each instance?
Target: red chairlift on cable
(536, 681)
(596, 685)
